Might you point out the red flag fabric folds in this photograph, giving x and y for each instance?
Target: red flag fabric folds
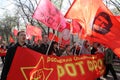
(84, 11)
(48, 14)
(34, 31)
(118, 18)
(75, 27)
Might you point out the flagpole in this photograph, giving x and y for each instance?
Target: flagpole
(52, 39)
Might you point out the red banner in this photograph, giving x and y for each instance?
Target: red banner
(31, 65)
(3, 52)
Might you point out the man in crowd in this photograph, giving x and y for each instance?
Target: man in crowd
(21, 38)
(44, 45)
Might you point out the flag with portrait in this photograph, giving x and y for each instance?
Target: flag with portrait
(98, 21)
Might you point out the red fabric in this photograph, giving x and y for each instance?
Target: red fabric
(118, 18)
(76, 27)
(31, 65)
(34, 31)
(15, 31)
(37, 38)
(11, 39)
(86, 12)
(51, 35)
(111, 38)
(48, 14)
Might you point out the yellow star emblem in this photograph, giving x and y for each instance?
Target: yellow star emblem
(37, 72)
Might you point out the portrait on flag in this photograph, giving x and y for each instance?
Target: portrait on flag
(102, 23)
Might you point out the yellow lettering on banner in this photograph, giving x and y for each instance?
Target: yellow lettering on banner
(80, 64)
(51, 59)
(90, 65)
(73, 72)
(95, 64)
(60, 71)
(48, 59)
(100, 64)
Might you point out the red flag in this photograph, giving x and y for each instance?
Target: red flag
(51, 35)
(98, 22)
(15, 31)
(0, 37)
(37, 38)
(48, 14)
(34, 31)
(106, 29)
(84, 11)
(11, 39)
(76, 27)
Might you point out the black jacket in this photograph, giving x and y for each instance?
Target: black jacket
(8, 60)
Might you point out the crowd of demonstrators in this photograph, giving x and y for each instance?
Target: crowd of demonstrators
(54, 49)
(75, 49)
(47, 47)
(43, 46)
(67, 51)
(85, 49)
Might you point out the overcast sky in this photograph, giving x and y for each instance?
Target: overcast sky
(6, 5)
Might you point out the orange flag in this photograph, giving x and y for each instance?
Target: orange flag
(48, 14)
(84, 11)
(97, 20)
